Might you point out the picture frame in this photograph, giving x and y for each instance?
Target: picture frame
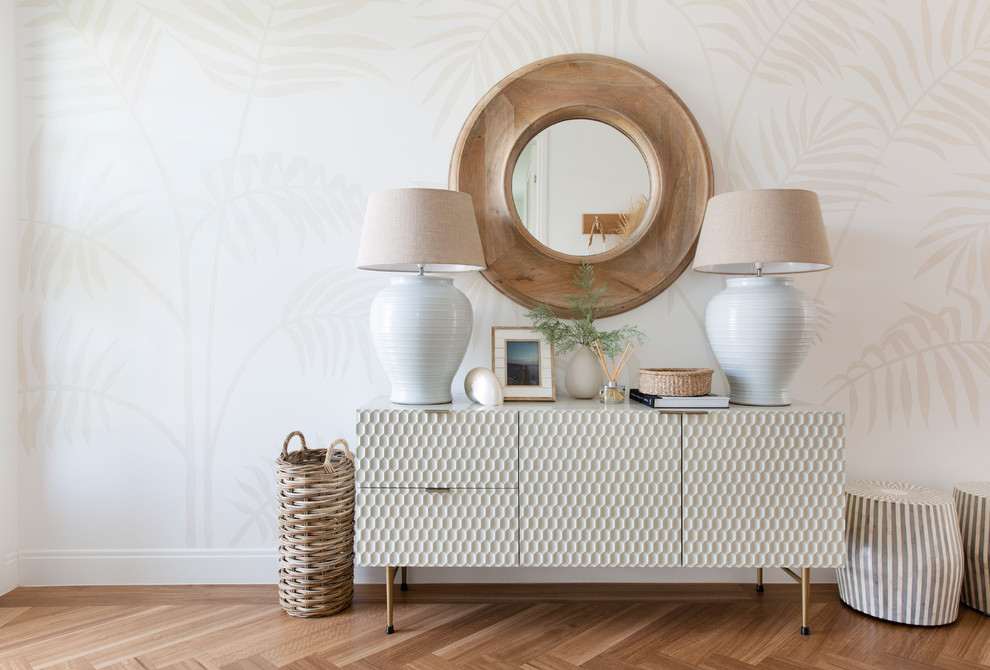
(522, 360)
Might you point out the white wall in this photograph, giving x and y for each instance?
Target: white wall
(9, 449)
(192, 187)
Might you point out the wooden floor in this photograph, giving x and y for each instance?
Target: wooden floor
(548, 627)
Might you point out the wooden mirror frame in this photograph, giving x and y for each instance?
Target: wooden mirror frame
(631, 100)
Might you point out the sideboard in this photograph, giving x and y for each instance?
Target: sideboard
(577, 483)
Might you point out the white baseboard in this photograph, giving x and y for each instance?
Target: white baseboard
(8, 573)
(148, 566)
(260, 566)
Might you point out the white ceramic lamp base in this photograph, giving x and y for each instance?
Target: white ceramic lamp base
(760, 330)
(421, 327)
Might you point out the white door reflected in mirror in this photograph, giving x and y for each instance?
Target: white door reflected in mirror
(572, 172)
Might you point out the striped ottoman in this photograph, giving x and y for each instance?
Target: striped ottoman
(904, 558)
(973, 507)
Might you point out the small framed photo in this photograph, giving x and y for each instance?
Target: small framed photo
(522, 359)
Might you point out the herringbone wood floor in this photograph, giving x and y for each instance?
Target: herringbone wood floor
(546, 627)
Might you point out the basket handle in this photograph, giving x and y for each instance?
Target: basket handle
(332, 450)
(288, 438)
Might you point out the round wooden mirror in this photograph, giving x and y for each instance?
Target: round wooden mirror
(635, 103)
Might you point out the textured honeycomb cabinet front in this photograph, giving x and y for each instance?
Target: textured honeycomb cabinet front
(412, 527)
(764, 489)
(574, 483)
(417, 448)
(599, 488)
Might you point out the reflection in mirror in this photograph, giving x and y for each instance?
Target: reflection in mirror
(580, 187)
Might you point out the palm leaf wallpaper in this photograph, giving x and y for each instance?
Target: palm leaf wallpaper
(193, 181)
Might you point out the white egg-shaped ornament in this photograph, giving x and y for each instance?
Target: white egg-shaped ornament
(481, 386)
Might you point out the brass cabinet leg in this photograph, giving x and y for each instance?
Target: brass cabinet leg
(389, 589)
(805, 581)
(404, 587)
(759, 579)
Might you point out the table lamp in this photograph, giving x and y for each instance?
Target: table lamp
(760, 328)
(420, 325)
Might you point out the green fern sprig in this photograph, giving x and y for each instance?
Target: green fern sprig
(585, 309)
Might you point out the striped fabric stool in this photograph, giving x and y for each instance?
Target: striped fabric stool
(973, 507)
(904, 558)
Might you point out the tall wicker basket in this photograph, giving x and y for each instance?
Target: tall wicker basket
(316, 528)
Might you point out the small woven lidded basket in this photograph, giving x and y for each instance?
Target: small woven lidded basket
(315, 528)
(675, 381)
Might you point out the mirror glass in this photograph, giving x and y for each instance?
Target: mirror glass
(581, 187)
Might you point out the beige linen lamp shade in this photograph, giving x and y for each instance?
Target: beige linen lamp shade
(778, 231)
(412, 227)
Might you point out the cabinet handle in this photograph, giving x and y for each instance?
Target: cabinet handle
(437, 411)
(438, 489)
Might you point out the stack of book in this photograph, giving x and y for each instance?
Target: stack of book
(710, 401)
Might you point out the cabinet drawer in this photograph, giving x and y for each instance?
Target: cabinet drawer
(457, 449)
(415, 527)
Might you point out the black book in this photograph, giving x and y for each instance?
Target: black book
(710, 401)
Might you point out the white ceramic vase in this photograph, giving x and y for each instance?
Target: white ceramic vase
(583, 375)
(760, 330)
(421, 326)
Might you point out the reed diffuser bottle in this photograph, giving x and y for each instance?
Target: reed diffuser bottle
(613, 392)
